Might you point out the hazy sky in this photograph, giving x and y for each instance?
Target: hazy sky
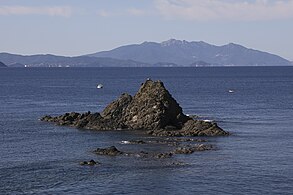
(76, 27)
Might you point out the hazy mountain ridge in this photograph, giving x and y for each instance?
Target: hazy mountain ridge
(169, 53)
(186, 53)
(61, 61)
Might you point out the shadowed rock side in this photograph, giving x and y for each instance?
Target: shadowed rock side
(152, 109)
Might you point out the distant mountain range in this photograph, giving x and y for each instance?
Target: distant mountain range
(169, 53)
(187, 53)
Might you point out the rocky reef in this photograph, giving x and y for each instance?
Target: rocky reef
(152, 109)
(180, 149)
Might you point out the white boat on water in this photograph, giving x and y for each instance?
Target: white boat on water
(231, 91)
(100, 86)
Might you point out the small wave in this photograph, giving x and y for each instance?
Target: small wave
(207, 120)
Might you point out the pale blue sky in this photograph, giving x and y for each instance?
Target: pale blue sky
(76, 27)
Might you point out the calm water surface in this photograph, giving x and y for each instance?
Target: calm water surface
(41, 158)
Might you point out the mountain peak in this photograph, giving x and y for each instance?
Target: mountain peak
(234, 45)
(171, 42)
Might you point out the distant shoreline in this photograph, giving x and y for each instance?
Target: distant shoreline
(144, 67)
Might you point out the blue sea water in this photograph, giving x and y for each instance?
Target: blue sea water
(41, 158)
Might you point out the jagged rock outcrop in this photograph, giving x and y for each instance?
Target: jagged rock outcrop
(152, 109)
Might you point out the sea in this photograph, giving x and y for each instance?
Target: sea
(255, 104)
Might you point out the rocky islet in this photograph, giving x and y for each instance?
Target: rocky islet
(153, 111)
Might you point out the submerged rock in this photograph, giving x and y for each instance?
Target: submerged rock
(110, 151)
(185, 149)
(164, 155)
(191, 149)
(152, 109)
(91, 162)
